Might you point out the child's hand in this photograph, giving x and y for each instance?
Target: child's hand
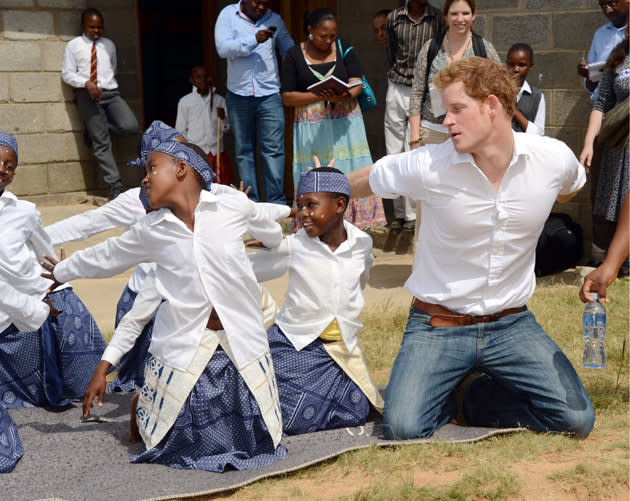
(255, 243)
(221, 113)
(93, 90)
(50, 266)
(318, 164)
(96, 388)
(54, 312)
(241, 187)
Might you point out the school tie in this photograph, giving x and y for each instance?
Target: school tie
(93, 64)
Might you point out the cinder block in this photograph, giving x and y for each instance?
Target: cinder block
(62, 117)
(35, 87)
(69, 24)
(572, 136)
(489, 5)
(532, 29)
(22, 118)
(17, 3)
(575, 30)
(121, 25)
(555, 4)
(30, 179)
(68, 93)
(41, 148)
(63, 4)
(481, 25)
(4, 88)
(558, 70)
(71, 176)
(570, 108)
(20, 56)
(27, 25)
(53, 56)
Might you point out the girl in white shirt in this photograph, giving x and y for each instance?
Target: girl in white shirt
(322, 376)
(49, 343)
(210, 399)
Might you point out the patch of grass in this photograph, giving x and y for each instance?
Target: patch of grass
(599, 478)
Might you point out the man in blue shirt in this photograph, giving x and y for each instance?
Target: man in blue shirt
(247, 34)
(605, 40)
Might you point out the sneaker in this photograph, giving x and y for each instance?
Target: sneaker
(409, 225)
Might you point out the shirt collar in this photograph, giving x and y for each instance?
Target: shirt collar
(526, 87)
(7, 198)
(240, 14)
(89, 40)
(347, 244)
(610, 26)
(519, 150)
(205, 197)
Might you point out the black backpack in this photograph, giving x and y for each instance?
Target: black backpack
(559, 246)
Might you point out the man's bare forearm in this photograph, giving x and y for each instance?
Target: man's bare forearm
(360, 182)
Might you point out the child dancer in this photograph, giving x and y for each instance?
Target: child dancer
(321, 372)
(197, 118)
(529, 115)
(124, 211)
(210, 397)
(43, 358)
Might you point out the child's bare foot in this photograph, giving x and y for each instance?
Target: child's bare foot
(134, 432)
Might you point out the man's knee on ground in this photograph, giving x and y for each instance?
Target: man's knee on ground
(578, 422)
(398, 427)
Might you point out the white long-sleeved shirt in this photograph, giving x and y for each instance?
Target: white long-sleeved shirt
(323, 285)
(195, 271)
(75, 69)
(198, 122)
(123, 211)
(27, 313)
(23, 242)
(538, 125)
(476, 247)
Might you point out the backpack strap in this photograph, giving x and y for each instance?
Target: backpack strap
(434, 48)
(479, 47)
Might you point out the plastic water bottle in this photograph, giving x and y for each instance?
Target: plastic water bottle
(594, 332)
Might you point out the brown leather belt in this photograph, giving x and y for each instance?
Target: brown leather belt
(442, 317)
(214, 323)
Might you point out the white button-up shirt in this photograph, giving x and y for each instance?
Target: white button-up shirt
(23, 242)
(75, 69)
(323, 285)
(476, 245)
(198, 122)
(25, 312)
(196, 270)
(123, 211)
(538, 125)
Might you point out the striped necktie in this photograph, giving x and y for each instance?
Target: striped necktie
(93, 64)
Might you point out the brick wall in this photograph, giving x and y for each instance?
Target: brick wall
(560, 32)
(39, 109)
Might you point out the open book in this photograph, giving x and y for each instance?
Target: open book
(332, 83)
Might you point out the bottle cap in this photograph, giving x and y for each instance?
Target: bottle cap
(595, 296)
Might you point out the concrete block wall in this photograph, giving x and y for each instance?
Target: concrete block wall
(39, 109)
(560, 32)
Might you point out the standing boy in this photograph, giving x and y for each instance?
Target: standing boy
(529, 114)
(89, 65)
(197, 119)
(408, 28)
(247, 34)
(486, 194)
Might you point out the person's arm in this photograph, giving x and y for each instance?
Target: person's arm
(262, 227)
(225, 121)
(283, 40)
(355, 72)
(574, 175)
(360, 182)
(599, 279)
(69, 73)
(123, 211)
(417, 95)
(26, 312)
(271, 263)
(227, 44)
(181, 122)
(594, 126)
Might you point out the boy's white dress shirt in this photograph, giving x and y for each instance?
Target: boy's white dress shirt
(75, 70)
(195, 271)
(24, 242)
(538, 125)
(476, 245)
(323, 285)
(198, 123)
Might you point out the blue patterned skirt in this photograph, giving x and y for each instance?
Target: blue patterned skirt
(131, 369)
(219, 427)
(315, 393)
(11, 449)
(53, 363)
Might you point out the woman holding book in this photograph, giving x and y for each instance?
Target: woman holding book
(327, 120)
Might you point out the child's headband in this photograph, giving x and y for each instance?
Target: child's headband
(9, 141)
(157, 133)
(323, 181)
(188, 155)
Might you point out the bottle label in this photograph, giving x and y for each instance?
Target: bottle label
(594, 320)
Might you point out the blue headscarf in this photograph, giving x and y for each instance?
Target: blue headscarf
(323, 181)
(188, 155)
(10, 142)
(157, 133)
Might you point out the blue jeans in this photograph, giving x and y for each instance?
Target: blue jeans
(259, 118)
(536, 384)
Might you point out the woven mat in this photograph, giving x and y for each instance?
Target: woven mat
(67, 459)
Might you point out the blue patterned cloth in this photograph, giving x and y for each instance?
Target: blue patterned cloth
(9, 141)
(315, 393)
(11, 449)
(323, 181)
(131, 369)
(220, 426)
(188, 155)
(58, 360)
(156, 133)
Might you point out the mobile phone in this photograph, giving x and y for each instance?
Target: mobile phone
(272, 29)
